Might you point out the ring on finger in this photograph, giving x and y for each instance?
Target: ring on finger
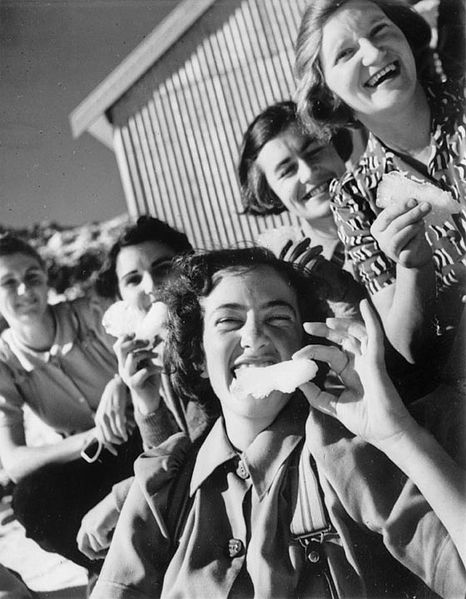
(345, 365)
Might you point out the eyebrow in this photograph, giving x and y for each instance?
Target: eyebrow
(271, 304)
(163, 260)
(307, 148)
(31, 270)
(341, 43)
(282, 163)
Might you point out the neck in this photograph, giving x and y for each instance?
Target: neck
(37, 335)
(324, 227)
(407, 131)
(243, 431)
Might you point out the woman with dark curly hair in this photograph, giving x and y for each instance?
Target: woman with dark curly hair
(363, 62)
(137, 266)
(279, 499)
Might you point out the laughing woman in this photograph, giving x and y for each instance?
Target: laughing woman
(273, 501)
(360, 62)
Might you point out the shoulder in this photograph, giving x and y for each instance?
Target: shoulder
(87, 310)
(365, 177)
(159, 465)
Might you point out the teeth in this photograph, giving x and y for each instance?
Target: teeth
(314, 191)
(253, 365)
(375, 79)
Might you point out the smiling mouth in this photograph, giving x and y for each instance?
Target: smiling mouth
(254, 364)
(388, 72)
(322, 188)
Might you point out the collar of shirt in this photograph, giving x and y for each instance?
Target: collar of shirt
(65, 338)
(263, 457)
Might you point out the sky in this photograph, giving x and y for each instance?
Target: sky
(53, 53)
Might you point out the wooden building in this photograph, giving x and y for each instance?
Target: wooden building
(175, 110)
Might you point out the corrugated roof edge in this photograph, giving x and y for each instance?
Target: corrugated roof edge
(87, 116)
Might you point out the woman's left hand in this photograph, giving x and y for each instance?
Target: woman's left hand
(140, 368)
(400, 232)
(111, 418)
(369, 406)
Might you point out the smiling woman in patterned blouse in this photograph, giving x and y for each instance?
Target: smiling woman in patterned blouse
(359, 62)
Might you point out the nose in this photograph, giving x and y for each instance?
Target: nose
(21, 289)
(305, 171)
(252, 334)
(370, 52)
(148, 284)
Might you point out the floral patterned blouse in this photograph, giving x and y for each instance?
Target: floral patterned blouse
(355, 194)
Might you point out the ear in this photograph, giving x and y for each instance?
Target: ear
(204, 374)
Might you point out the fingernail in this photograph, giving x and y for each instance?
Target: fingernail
(412, 203)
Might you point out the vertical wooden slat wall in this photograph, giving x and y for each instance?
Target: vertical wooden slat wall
(180, 126)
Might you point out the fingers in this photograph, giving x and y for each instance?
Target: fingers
(300, 253)
(298, 249)
(347, 326)
(92, 546)
(400, 214)
(339, 361)
(320, 400)
(375, 335)
(341, 336)
(109, 432)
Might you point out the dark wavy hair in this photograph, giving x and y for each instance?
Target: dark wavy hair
(10, 244)
(196, 276)
(146, 228)
(321, 111)
(256, 195)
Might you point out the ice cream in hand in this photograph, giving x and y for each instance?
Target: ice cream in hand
(284, 376)
(122, 319)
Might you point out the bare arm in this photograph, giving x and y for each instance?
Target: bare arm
(406, 309)
(371, 408)
(407, 306)
(19, 460)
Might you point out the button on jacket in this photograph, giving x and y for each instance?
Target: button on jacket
(236, 540)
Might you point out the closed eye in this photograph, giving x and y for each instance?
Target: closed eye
(8, 283)
(286, 170)
(279, 319)
(228, 323)
(344, 54)
(378, 29)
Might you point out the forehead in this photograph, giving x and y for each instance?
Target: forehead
(141, 255)
(352, 17)
(18, 263)
(254, 288)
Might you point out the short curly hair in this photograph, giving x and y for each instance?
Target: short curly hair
(11, 244)
(195, 279)
(146, 228)
(321, 111)
(256, 195)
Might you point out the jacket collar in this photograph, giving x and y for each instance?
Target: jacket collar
(65, 338)
(263, 457)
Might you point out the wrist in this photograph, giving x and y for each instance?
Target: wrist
(399, 446)
(145, 403)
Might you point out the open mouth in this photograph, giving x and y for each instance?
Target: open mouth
(390, 71)
(254, 364)
(322, 188)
